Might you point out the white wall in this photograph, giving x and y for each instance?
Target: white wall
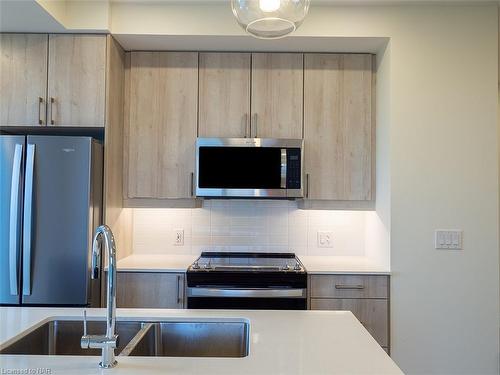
(440, 121)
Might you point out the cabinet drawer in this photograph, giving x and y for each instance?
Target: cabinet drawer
(372, 313)
(150, 290)
(349, 286)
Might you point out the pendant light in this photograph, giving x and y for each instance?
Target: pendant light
(270, 19)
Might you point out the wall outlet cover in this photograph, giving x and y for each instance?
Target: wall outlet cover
(179, 237)
(325, 239)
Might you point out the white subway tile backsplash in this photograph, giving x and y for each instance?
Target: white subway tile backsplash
(248, 225)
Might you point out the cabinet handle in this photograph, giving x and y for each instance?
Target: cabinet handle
(179, 300)
(254, 123)
(307, 185)
(40, 103)
(191, 187)
(345, 286)
(245, 123)
(52, 100)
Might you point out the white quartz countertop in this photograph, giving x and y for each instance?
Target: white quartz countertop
(155, 263)
(342, 265)
(281, 342)
(313, 264)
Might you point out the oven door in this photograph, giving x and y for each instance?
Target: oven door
(248, 167)
(247, 298)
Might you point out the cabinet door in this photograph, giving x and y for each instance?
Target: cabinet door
(23, 79)
(338, 128)
(277, 95)
(162, 124)
(224, 102)
(372, 313)
(150, 290)
(77, 77)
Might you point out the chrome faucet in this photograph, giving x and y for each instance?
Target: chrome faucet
(108, 342)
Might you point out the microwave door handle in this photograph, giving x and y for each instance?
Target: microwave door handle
(283, 169)
(14, 215)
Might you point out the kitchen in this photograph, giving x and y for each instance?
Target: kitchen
(365, 225)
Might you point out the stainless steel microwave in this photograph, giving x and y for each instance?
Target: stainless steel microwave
(249, 168)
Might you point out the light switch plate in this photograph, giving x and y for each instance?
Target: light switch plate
(179, 237)
(325, 239)
(448, 239)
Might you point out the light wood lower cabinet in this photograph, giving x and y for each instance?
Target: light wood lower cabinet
(366, 296)
(349, 286)
(372, 313)
(150, 290)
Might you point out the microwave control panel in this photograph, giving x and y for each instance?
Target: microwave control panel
(293, 168)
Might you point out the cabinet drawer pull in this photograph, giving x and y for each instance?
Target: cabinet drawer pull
(40, 103)
(346, 286)
(245, 125)
(52, 100)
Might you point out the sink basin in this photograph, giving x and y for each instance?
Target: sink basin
(136, 338)
(191, 339)
(62, 337)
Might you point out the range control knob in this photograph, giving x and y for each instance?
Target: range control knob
(297, 267)
(195, 266)
(286, 267)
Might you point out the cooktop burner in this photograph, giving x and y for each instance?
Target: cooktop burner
(247, 262)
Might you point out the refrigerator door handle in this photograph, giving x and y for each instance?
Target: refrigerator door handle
(28, 209)
(14, 220)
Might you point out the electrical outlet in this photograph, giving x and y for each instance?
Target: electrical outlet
(325, 239)
(448, 239)
(179, 237)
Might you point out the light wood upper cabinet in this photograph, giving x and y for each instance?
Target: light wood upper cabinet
(23, 79)
(224, 96)
(277, 95)
(162, 104)
(76, 80)
(338, 126)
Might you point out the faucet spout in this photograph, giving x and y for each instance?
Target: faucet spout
(108, 342)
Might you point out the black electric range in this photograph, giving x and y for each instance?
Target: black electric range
(236, 280)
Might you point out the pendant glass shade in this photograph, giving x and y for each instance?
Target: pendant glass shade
(270, 19)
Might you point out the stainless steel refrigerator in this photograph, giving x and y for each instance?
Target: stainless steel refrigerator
(50, 204)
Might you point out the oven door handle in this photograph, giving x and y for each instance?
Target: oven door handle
(247, 292)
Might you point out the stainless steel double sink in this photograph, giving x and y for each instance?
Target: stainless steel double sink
(137, 338)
